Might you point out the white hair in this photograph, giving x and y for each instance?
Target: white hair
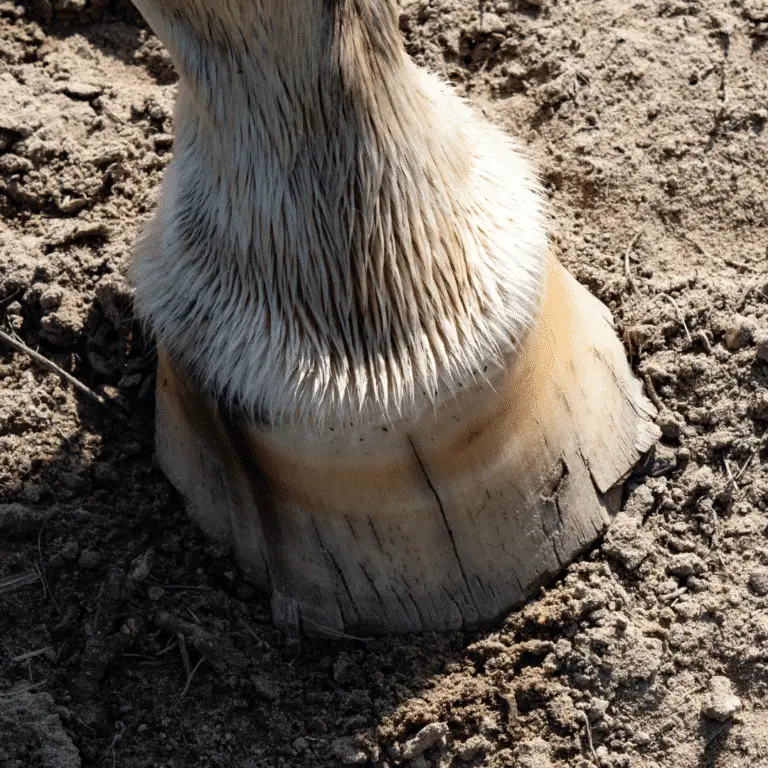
(339, 236)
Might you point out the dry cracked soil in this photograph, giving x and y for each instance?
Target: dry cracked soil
(127, 640)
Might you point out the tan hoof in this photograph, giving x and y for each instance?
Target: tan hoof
(442, 522)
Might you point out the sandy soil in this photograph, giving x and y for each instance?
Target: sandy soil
(126, 640)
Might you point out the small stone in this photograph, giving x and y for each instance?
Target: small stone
(425, 739)
(720, 703)
(300, 744)
(89, 559)
(492, 23)
(761, 342)
(686, 564)
(163, 141)
(739, 333)
(69, 206)
(154, 592)
(81, 91)
(70, 551)
(265, 687)
(758, 580)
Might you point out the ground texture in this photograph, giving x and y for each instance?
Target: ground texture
(126, 640)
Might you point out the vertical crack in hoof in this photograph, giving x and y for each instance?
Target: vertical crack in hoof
(339, 572)
(447, 525)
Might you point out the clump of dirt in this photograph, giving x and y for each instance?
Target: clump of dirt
(648, 124)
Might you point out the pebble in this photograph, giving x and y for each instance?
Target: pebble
(720, 703)
(265, 687)
(642, 738)
(739, 333)
(758, 580)
(426, 738)
(82, 91)
(163, 141)
(154, 592)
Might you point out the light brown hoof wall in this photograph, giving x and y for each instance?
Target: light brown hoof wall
(444, 522)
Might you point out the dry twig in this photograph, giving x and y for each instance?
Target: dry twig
(31, 654)
(679, 314)
(673, 595)
(19, 580)
(20, 346)
(191, 675)
(651, 392)
(589, 736)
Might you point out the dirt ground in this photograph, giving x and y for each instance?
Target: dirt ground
(126, 640)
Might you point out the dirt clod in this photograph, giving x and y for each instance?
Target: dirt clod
(720, 703)
(32, 734)
(425, 739)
